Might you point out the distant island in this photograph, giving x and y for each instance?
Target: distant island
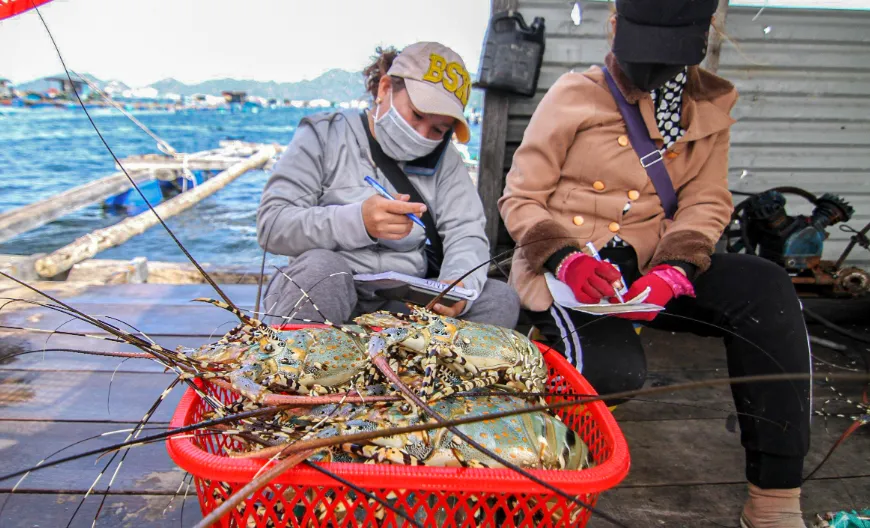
(334, 86)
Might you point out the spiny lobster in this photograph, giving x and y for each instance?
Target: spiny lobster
(257, 360)
(535, 440)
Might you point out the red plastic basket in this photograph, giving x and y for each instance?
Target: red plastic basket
(433, 496)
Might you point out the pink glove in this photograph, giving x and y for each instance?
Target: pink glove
(589, 279)
(665, 283)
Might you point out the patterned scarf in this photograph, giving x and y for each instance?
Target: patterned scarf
(668, 105)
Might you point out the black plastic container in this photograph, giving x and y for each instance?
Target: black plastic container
(512, 54)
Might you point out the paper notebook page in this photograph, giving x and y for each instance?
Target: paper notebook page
(428, 284)
(564, 296)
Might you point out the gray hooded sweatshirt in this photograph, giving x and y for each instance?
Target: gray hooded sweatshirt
(313, 200)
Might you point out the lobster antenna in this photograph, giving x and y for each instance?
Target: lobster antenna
(62, 449)
(205, 275)
(161, 354)
(125, 355)
(117, 332)
(263, 263)
(356, 437)
(49, 306)
(58, 332)
(131, 435)
(307, 297)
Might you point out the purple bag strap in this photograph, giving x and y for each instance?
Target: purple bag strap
(651, 158)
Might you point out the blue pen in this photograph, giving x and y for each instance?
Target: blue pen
(383, 192)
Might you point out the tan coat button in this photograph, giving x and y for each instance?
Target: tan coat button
(671, 154)
(598, 186)
(622, 140)
(633, 195)
(578, 220)
(614, 227)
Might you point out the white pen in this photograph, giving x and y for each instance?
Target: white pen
(595, 254)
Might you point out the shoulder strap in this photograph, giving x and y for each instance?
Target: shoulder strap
(397, 177)
(650, 157)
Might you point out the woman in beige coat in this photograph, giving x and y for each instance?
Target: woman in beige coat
(633, 158)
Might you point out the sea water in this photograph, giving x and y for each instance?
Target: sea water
(46, 151)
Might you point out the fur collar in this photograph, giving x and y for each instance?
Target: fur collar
(701, 85)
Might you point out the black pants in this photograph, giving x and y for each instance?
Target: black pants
(739, 294)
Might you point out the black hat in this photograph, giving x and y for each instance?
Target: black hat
(663, 31)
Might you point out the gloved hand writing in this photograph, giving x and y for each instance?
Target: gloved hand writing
(590, 280)
(665, 282)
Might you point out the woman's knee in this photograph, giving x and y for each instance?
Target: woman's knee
(323, 262)
(614, 382)
(318, 278)
(753, 274)
(498, 305)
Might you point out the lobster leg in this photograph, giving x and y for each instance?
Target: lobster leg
(380, 454)
(429, 368)
(458, 362)
(246, 386)
(320, 390)
(488, 379)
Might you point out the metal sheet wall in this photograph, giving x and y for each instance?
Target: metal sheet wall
(804, 109)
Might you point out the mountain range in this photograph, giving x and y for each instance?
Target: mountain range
(334, 85)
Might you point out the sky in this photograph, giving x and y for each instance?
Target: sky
(143, 41)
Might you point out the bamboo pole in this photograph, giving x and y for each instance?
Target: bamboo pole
(31, 216)
(101, 239)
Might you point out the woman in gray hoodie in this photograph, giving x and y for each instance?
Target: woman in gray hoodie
(318, 209)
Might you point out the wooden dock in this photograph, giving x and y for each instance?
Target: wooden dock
(687, 467)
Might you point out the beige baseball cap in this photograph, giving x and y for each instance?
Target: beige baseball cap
(437, 81)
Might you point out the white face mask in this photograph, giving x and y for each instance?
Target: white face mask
(398, 139)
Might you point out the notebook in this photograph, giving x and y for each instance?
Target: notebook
(395, 286)
(563, 296)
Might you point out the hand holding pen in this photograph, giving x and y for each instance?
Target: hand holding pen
(387, 217)
(616, 285)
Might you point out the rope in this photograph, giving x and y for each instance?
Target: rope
(186, 174)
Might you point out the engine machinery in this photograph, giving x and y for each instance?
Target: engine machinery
(761, 226)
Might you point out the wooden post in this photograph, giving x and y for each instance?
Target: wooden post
(31, 216)
(22, 267)
(92, 243)
(714, 46)
(493, 136)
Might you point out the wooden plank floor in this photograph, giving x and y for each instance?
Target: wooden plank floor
(687, 464)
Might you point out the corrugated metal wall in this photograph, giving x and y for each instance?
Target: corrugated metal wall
(804, 108)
